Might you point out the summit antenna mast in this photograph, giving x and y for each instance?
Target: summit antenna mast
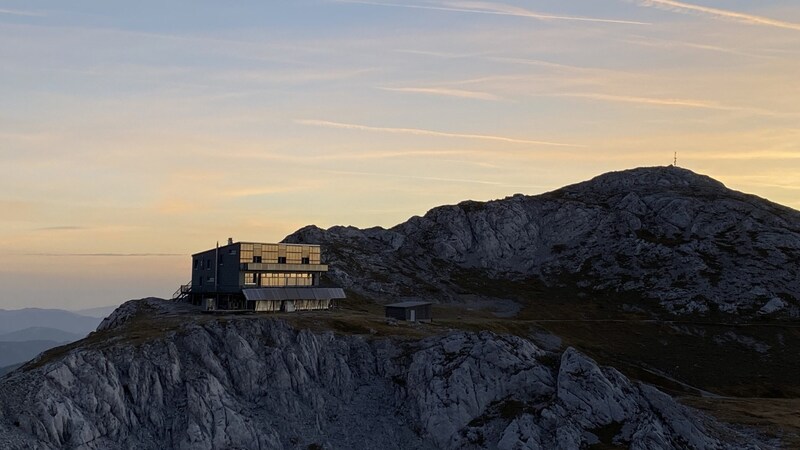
(675, 159)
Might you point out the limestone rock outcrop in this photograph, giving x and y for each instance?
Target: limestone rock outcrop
(678, 239)
(258, 383)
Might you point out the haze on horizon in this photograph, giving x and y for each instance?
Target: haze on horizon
(132, 136)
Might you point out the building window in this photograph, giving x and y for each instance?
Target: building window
(256, 259)
(270, 252)
(281, 260)
(246, 254)
(305, 260)
(294, 253)
(249, 278)
(208, 264)
(196, 263)
(201, 280)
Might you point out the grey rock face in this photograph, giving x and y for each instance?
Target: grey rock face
(667, 234)
(257, 383)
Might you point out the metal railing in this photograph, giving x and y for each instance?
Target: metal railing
(183, 291)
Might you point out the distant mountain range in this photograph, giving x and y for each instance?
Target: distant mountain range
(41, 334)
(24, 333)
(17, 352)
(70, 322)
(99, 312)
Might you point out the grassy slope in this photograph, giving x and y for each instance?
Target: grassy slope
(676, 357)
(744, 372)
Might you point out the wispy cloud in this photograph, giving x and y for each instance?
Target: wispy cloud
(534, 62)
(460, 93)
(258, 191)
(438, 179)
(417, 177)
(336, 156)
(26, 137)
(755, 155)
(673, 102)
(62, 228)
(437, 54)
(497, 9)
(295, 76)
(255, 191)
(423, 132)
(682, 7)
(665, 43)
(14, 12)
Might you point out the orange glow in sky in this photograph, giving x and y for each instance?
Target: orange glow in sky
(130, 139)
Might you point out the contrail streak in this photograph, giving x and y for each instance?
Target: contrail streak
(12, 12)
(496, 10)
(720, 13)
(676, 102)
(422, 132)
(477, 95)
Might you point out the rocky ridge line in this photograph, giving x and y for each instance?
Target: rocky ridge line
(259, 383)
(682, 241)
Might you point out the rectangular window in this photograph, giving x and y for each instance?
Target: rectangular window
(305, 260)
(281, 260)
(256, 259)
(196, 263)
(294, 254)
(249, 278)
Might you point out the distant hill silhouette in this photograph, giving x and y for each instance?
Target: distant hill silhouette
(19, 352)
(41, 334)
(20, 319)
(100, 312)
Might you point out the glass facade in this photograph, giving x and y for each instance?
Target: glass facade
(279, 253)
(246, 265)
(278, 279)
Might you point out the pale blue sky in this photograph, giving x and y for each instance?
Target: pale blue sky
(161, 127)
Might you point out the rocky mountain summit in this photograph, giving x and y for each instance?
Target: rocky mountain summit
(678, 242)
(662, 273)
(158, 375)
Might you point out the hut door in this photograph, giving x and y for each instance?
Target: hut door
(412, 316)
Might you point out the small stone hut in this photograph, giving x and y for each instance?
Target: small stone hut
(412, 311)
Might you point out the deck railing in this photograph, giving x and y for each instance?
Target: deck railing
(183, 291)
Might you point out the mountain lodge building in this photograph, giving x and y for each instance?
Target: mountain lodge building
(259, 277)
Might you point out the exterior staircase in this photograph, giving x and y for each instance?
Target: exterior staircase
(183, 292)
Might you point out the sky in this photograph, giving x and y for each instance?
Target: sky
(133, 134)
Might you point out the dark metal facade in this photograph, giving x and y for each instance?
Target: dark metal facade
(410, 311)
(244, 275)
